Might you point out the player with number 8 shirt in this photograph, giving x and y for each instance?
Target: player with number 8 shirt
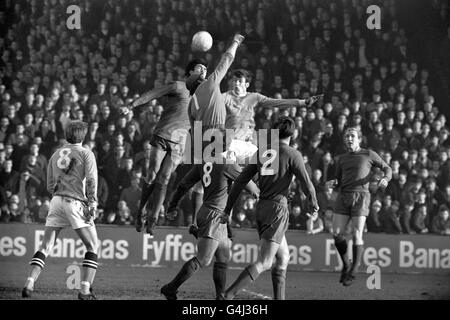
(72, 180)
(213, 241)
(272, 214)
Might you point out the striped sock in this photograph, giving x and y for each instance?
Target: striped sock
(90, 260)
(38, 259)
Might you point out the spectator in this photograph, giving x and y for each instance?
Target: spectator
(295, 218)
(131, 195)
(441, 222)
(373, 220)
(420, 219)
(406, 214)
(328, 220)
(241, 221)
(390, 219)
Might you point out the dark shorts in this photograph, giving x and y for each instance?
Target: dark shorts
(209, 226)
(353, 204)
(272, 219)
(175, 150)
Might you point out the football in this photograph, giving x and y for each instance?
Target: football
(202, 41)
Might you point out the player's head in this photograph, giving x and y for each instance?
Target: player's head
(241, 80)
(76, 131)
(352, 138)
(195, 73)
(285, 126)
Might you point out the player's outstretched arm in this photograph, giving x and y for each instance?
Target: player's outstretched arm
(264, 102)
(227, 59)
(149, 96)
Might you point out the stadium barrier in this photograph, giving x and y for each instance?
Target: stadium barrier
(173, 246)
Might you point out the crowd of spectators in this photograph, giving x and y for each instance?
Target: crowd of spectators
(294, 48)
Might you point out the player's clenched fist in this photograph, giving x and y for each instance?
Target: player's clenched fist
(313, 99)
(90, 211)
(238, 38)
(193, 229)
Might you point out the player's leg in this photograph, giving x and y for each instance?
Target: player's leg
(197, 196)
(89, 237)
(340, 221)
(268, 250)
(206, 249)
(220, 267)
(157, 155)
(279, 271)
(162, 179)
(37, 263)
(360, 211)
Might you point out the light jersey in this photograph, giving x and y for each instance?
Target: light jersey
(216, 180)
(240, 111)
(72, 172)
(353, 170)
(207, 103)
(276, 176)
(174, 122)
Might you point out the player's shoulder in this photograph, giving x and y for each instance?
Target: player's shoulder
(179, 86)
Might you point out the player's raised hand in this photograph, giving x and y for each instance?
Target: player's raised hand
(383, 183)
(193, 229)
(239, 38)
(311, 100)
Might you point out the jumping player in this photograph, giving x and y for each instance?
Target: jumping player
(72, 180)
(272, 215)
(353, 177)
(241, 104)
(213, 240)
(168, 143)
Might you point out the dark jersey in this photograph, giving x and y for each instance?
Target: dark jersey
(207, 104)
(275, 175)
(216, 180)
(353, 170)
(174, 122)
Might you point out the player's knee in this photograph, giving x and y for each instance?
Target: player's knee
(267, 264)
(282, 260)
(204, 261)
(46, 247)
(92, 246)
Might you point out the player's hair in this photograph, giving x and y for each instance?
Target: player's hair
(191, 65)
(356, 129)
(76, 131)
(286, 127)
(242, 73)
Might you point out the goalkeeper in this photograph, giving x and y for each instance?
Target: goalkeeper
(72, 181)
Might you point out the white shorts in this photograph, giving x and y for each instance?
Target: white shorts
(66, 212)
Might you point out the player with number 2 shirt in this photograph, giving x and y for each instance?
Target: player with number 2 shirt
(272, 214)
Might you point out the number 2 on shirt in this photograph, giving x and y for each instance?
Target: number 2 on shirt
(271, 154)
(63, 160)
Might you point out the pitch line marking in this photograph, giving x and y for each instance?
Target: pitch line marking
(259, 295)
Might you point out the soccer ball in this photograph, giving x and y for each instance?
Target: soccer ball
(201, 41)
